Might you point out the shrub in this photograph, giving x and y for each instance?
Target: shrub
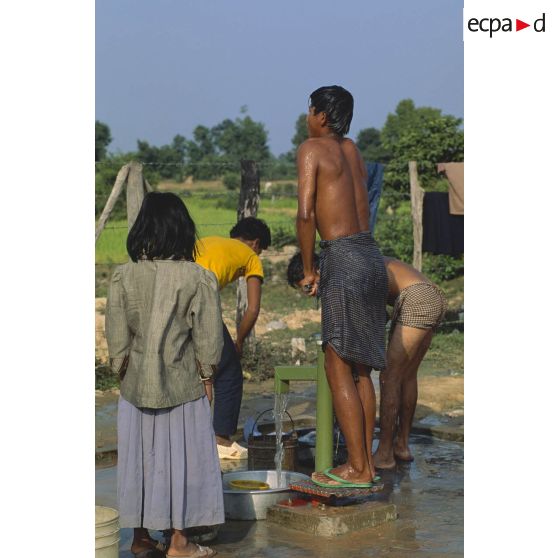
(231, 180)
(228, 201)
(104, 377)
(439, 267)
(284, 189)
(394, 231)
(283, 236)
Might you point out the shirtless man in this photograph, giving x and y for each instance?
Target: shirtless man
(333, 200)
(418, 308)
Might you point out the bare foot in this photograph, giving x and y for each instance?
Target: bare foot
(382, 461)
(347, 473)
(190, 549)
(222, 441)
(402, 452)
(141, 545)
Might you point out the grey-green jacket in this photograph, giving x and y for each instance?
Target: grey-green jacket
(163, 321)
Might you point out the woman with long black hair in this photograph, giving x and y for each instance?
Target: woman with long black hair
(165, 337)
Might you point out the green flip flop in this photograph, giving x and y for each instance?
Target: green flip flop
(341, 483)
(349, 484)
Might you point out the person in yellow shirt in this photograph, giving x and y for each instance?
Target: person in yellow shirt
(229, 259)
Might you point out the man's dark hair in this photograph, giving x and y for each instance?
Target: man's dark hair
(163, 230)
(295, 271)
(337, 103)
(251, 228)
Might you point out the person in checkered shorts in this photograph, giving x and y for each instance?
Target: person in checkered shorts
(419, 307)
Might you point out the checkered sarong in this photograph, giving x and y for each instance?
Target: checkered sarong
(353, 291)
(422, 305)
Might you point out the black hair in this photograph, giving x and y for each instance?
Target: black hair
(251, 228)
(295, 271)
(337, 103)
(163, 230)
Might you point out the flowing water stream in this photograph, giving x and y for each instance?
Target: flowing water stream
(279, 410)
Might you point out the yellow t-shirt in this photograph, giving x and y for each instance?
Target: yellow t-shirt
(228, 258)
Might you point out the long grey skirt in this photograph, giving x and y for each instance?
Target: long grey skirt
(168, 468)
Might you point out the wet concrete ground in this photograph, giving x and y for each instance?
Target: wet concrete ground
(301, 406)
(428, 494)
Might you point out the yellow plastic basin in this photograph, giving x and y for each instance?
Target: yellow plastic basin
(248, 485)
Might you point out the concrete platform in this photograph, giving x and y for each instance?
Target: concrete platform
(328, 521)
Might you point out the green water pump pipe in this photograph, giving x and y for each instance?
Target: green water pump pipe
(324, 406)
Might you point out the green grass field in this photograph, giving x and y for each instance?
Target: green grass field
(209, 218)
(214, 211)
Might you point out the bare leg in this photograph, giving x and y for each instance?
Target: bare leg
(390, 388)
(223, 440)
(350, 415)
(409, 394)
(179, 545)
(142, 540)
(391, 380)
(367, 395)
(398, 383)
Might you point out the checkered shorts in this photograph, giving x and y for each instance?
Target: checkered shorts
(422, 305)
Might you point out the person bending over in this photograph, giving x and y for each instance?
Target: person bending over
(418, 308)
(229, 259)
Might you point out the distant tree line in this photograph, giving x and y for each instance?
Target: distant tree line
(422, 134)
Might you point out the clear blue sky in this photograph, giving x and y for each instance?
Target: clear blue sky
(165, 66)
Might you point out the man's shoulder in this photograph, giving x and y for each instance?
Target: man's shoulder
(312, 143)
(349, 142)
(349, 145)
(313, 148)
(318, 144)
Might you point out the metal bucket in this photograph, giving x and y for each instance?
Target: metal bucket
(253, 504)
(107, 532)
(261, 449)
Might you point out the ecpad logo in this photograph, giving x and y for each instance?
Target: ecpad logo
(493, 25)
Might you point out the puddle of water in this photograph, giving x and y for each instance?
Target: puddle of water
(432, 420)
(428, 494)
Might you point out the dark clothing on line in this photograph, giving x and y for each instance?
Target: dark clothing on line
(442, 233)
(227, 389)
(374, 187)
(353, 291)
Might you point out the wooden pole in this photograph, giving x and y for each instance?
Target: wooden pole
(134, 192)
(248, 202)
(109, 206)
(249, 198)
(146, 185)
(417, 198)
